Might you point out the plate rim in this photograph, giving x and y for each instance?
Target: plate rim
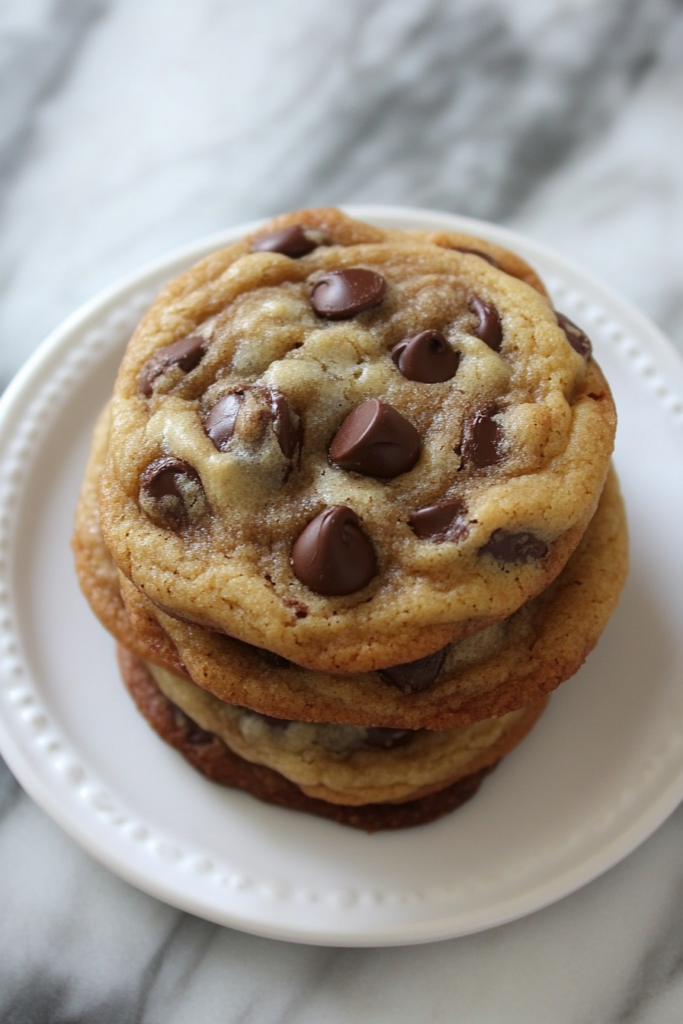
(39, 368)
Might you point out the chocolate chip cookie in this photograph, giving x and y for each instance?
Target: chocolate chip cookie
(508, 666)
(348, 764)
(351, 447)
(214, 758)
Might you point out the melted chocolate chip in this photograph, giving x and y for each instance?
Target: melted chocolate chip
(222, 417)
(445, 521)
(427, 357)
(197, 736)
(293, 241)
(267, 406)
(169, 487)
(578, 340)
(186, 353)
(376, 440)
(489, 329)
(515, 547)
(478, 252)
(481, 439)
(287, 432)
(341, 294)
(415, 676)
(332, 555)
(194, 733)
(383, 738)
(162, 477)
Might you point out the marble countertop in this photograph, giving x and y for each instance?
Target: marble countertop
(129, 127)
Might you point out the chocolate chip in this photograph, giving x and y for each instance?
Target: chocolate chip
(489, 329)
(220, 422)
(332, 555)
(481, 439)
(341, 294)
(443, 521)
(376, 440)
(170, 489)
(415, 676)
(515, 547)
(186, 353)
(478, 252)
(578, 340)
(386, 739)
(294, 241)
(427, 357)
(197, 736)
(193, 733)
(264, 406)
(162, 477)
(287, 432)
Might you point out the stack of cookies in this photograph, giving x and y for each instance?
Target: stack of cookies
(350, 515)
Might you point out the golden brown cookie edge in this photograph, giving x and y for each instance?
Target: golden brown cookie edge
(212, 758)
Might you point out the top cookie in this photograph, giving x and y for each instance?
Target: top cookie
(351, 446)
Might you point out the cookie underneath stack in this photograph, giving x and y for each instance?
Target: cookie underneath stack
(350, 515)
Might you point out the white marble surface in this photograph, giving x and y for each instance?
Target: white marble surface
(128, 127)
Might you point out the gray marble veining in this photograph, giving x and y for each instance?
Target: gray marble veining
(128, 127)
(171, 121)
(37, 48)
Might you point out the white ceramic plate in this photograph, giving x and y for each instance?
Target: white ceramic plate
(599, 773)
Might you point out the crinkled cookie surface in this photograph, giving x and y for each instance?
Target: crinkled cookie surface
(356, 452)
